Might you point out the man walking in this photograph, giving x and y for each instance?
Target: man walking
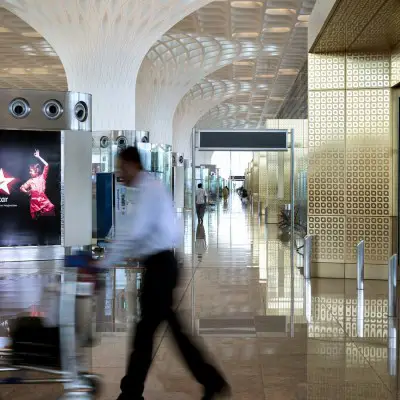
(151, 232)
(201, 201)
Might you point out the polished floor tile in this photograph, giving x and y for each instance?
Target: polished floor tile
(274, 336)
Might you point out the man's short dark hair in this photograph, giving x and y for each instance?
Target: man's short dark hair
(200, 185)
(131, 154)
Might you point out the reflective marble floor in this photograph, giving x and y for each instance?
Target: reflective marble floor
(274, 336)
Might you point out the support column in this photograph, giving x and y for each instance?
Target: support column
(102, 44)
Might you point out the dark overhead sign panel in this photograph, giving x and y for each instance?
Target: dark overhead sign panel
(244, 140)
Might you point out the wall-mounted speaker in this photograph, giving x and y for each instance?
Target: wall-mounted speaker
(121, 142)
(45, 110)
(177, 160)
(104, 142)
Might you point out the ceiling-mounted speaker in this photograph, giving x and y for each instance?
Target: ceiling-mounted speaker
(104, 142)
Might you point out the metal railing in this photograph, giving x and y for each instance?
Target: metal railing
(392, 281)
(307, 256)
(360, 265)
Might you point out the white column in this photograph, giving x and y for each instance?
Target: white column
(179, 188)
(102, 44)
(77, 188)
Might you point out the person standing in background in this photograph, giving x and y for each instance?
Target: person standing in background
(225, 193)
(151, 233)
(201, 201)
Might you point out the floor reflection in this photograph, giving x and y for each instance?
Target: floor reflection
(275, 335)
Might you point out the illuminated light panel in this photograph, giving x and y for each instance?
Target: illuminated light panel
(17, 71)
(3, 29)
(288, 71)
(243, 63)
(245, 78)
(245, 35)
(277, 98)
(280, 11)
(303, 18)
(277, 29)
(40, 71)
(32, 34)
(270, 48)
(301, 25)
(266, 76)
(246, 4)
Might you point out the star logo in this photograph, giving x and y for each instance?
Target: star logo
(4, 182)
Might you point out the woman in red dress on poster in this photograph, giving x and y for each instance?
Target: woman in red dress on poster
(35, 187)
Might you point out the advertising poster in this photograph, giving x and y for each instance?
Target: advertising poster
(30, 188)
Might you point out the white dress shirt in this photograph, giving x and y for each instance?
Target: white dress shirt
(151, 227)
(201, 195)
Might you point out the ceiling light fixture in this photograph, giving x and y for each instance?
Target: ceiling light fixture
(277, 29)
(266, 76)
(303, 18)
(288, 71)
(245, 78)
(280, 11)
(301, 25)
(245, 35)
(243, 63)
(3, 29)
(246, 4)
(270, 47)
(31, 34)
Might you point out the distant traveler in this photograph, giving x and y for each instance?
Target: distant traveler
(201, 201)
(150, 233)
(225, 193)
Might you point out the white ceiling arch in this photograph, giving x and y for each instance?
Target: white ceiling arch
(172, 67)
(280, 27)
(102, 44)
(225, 115)
(197, 102)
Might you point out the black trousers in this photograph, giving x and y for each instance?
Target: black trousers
(200, 210)
(160, 280)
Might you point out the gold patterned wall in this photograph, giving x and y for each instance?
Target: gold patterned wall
(350, 176)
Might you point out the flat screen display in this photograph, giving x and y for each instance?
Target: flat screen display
(30, 188)
(271, 140)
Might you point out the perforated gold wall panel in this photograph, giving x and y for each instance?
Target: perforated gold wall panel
(263, 178)
(360, 25)
(395, 66)
(350, 176)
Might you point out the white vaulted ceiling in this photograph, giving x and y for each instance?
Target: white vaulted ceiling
(262, 44)
(173, 66)
(278, 28)
(203, 97)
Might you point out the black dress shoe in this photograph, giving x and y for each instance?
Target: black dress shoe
(125, 397)
(222, 390)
